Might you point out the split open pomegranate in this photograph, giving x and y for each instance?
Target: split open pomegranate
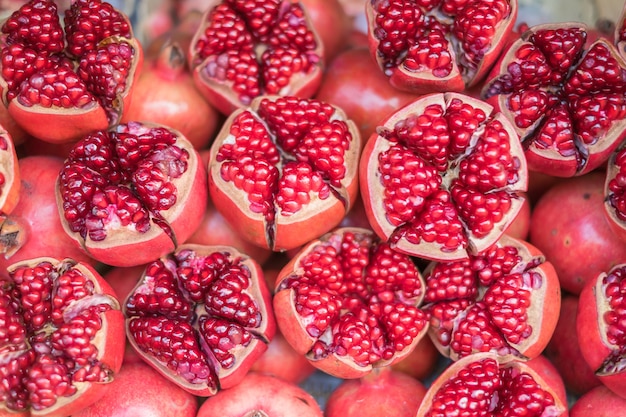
(615, 192)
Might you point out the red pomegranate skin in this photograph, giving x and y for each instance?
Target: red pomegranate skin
(599, 402)
(422, 362)
(139, 390)
(564, 352)
(568, 225)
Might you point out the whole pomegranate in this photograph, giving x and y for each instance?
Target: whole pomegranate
(569, 226)
(62, 337)
(201, 316)
(138, 189)
(141, 391)
(599, 402)
(261, 395)
(62, 81)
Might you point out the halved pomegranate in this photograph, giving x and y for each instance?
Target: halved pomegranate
(201, 316)
(10, 183)
(244, 49)
(62, 81)
(615, 193)
(131, 194)
(564, 93)
(350, 303)
(284, 170)
(481, 384)
(504, 300)
(442, 177)
(62, 337)
(429, 46)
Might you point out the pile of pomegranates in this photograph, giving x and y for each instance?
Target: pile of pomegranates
(312, 208)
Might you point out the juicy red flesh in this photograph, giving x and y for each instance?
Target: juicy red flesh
(482, 388)
(196, 314)
(563, 95)
(49, 316)
(359, 298)
(256, 46)
(121, 178)
(481, 304)
(40, 69)
(614, 288)
(421, 198)
(428, 36)
(617, 186)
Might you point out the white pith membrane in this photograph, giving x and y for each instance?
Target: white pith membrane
(615, 362)
(375, 192)
(38, 340)
(330, 198)
(239, 350)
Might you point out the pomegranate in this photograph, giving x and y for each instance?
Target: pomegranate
(599, 402)
(165, 93)
(61, 82)
(141, 391)
(505, 300)
(331, 23)
(9, 174)
(568, 225)
(62, 339)
(615, 193)
(123, 279)
(600, 327)
(353, 82)
(245, 49)
(564, 93)
(427, 46)
(350, 303)
(442, 176)
(563, 350)
(550, 374)
(33, 228)
(15, 131)
(261, 395)
(520, 226)
(378, 393)
(480, 383)
(422, 363)
(284, 170)
(201, 316)
(139, 189)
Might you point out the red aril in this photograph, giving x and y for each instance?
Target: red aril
(550, 374)
(63, 337)
(284, 170)
(9, 174)
(201, 316)
(441, 178)
(62, 81)
(428, 46)
(132, 194)
(615, 193)
(350, 303)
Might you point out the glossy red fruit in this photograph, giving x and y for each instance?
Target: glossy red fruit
(481, 384)
(563, 91)
(140, 390)
(130, 195)
(376, 394)
(569, 226)
(63, 337)
(350, 303)
(62, 80)
(599, 402)
(505, 300)
(600, 327)
(422, 362)
(550, 374)
(353, 82)
(520, 226)
(441, 178)
(564, 352)
(615, 193)
(284, 170)
(201, 316)
(331, 23)
(33, 228)
(245, 49)
(261, 395)
(10, 183)
(428, 46)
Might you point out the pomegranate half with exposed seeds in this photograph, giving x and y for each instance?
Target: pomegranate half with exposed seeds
(245, 49)
(442, 177)
(600, 327)
(61, 81)
(505, 300)
(428, 46)
(10, 185)
(565, 95)
(481, 384)
(62, 338)
(350, 303)
(615, 193)
(284, 171)
(130, 195)
(201, 316)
